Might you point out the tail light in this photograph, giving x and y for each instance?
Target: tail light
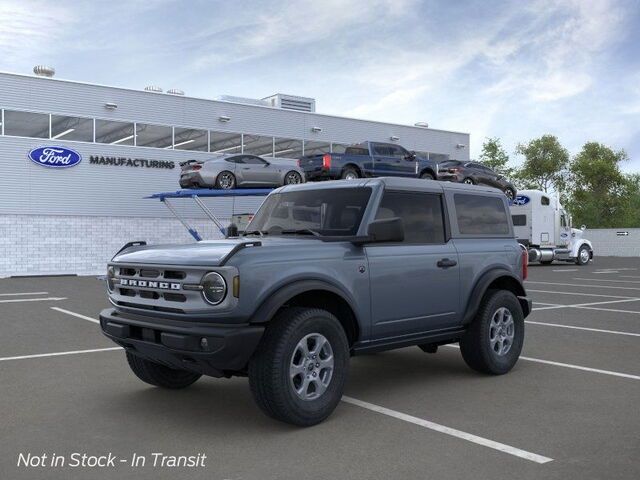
(326, 161)
(299, 163)
(525, 262)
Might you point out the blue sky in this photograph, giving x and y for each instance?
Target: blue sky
(514, 69)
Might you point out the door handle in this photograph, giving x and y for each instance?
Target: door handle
(446, 263)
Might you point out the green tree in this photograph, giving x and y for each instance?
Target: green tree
(495, 157)
(545, 164)
(601, 195)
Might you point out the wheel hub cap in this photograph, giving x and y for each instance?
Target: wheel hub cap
(501, 331)
(311, 366)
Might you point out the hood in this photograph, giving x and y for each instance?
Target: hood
(209, 253)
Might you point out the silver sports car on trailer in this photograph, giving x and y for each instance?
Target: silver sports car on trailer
(240, 170)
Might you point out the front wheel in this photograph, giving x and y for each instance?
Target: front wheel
(468, 181)
(299, 370)
(584, 255)
(493, 342)
(510, 193)
(159, 375)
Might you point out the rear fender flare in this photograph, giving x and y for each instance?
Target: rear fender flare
(481, 287)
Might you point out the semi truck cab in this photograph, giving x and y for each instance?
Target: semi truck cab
(543, 226)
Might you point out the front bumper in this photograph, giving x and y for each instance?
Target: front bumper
(179, 344)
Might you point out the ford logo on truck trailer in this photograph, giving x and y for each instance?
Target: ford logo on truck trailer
(55, 157)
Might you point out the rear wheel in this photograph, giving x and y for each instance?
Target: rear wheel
(493, 342)
(298, 372)
(350, 173)
(427, 176)
(159, 375)
(292, 178)
(546, 262)
(469, 181)
(225, 180)
(584, 255)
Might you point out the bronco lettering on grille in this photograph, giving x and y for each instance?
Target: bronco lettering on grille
(148, 284)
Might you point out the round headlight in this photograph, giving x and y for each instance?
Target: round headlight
(214, 288)
(111, 273)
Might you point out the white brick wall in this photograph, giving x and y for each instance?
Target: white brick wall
(52, 245)
(607, 242)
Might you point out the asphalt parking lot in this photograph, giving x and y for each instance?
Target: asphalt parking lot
(568, 410)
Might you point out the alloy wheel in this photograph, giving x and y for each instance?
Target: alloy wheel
(293, 178)
(501, 331)
(311, 366)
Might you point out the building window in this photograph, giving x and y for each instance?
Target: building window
(71, 128)
(257, 145)
(316, 148)
(157, 136)
(228, 143)
(26, 124)
(338, 147)
(190, 139)
(287, 148)
(114, 133)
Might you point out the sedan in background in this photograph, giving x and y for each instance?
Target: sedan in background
(474, 173)
(241, 170)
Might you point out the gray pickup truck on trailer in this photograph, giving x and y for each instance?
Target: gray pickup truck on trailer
(325, 271)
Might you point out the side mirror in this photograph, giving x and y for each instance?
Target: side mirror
(386, 230)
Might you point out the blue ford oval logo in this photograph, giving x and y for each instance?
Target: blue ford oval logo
(55, 157)
(521, 200)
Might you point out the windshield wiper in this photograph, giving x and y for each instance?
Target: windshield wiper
(301, 231)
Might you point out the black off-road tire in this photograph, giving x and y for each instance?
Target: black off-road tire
(159, 375)
(475, 345)
(350, 173)
(427, 176)
(269, 377)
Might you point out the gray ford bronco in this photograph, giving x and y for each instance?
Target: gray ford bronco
(323, 272)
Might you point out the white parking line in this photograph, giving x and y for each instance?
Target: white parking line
(606, 280)
(58, 354)
(74, 314)
(47, 299)
(585, 286)
(629, 276)
(573, 327)
(579, 294)
(587, 305)
(566, 270)
(533, 457)
(575, 367)
(22, 293)
(610, 310)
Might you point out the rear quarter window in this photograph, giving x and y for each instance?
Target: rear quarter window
(481, 215)
(519, 220)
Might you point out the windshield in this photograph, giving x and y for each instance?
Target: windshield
(326, 212)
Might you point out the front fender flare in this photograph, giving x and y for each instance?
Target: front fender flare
(278, 298)
(481, 287)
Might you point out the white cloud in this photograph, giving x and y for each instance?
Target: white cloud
(30, 28)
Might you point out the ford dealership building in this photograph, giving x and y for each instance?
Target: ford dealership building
(77, 160)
